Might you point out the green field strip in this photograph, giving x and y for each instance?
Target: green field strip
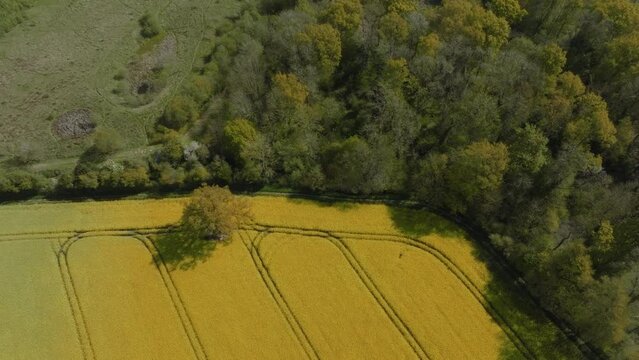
(401, 326)
(74, 302)
(277, 296)
(185, 318)
(36, 320)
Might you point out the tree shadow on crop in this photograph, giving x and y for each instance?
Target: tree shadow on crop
(416, 223)
(516, 308)
(542, 337)
(183, 249)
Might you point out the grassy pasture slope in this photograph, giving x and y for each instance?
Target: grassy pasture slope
(36, 318)
(66, 55)
(264, 293)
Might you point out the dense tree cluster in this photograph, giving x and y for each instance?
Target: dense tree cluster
(523, 118)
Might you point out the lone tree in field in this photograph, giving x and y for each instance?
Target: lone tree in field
(213, 213)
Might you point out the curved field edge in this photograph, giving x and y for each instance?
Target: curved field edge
(443, 310)
(341, 243)
(336, 216)
(335, 309)
(525, 324)
(120, 291)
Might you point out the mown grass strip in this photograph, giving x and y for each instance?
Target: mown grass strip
(74, 302)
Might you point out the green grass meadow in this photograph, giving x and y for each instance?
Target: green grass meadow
(67, 55)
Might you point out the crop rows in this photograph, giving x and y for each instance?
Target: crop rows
(337, 237)
(276, 294)
(252, 244)
(75, 304)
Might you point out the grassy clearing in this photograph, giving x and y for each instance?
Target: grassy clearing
(334, 307)
(233, 310)
(127, 309)
(67, 55)
(36, 318)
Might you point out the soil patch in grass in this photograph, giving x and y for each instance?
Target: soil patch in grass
(74, 124)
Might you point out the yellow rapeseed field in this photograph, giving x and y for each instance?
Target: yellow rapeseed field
(232, 310)
(332, 304)
(306, 280)
(443, 314)
(87, 216)
(128, 311)
(372, 218)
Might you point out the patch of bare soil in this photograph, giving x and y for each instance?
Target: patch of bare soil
(142, 71)
(74, 124)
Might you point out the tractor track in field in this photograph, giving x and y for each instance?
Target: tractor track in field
(471, 287)
(370, 286)
(168, 284)
(74, 301)
(506, 327)
(276, 294)
(176, 298)
(336, 237)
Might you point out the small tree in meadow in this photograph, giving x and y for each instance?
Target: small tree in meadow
(106, 141)
(149, 25)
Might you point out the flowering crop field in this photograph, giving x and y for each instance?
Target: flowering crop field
(305, 280)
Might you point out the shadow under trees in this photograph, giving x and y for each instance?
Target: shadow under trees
(540, 335)
(184, 248)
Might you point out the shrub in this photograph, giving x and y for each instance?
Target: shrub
(199, 88)
(179, 112)
(149, 25)
(106, 141)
